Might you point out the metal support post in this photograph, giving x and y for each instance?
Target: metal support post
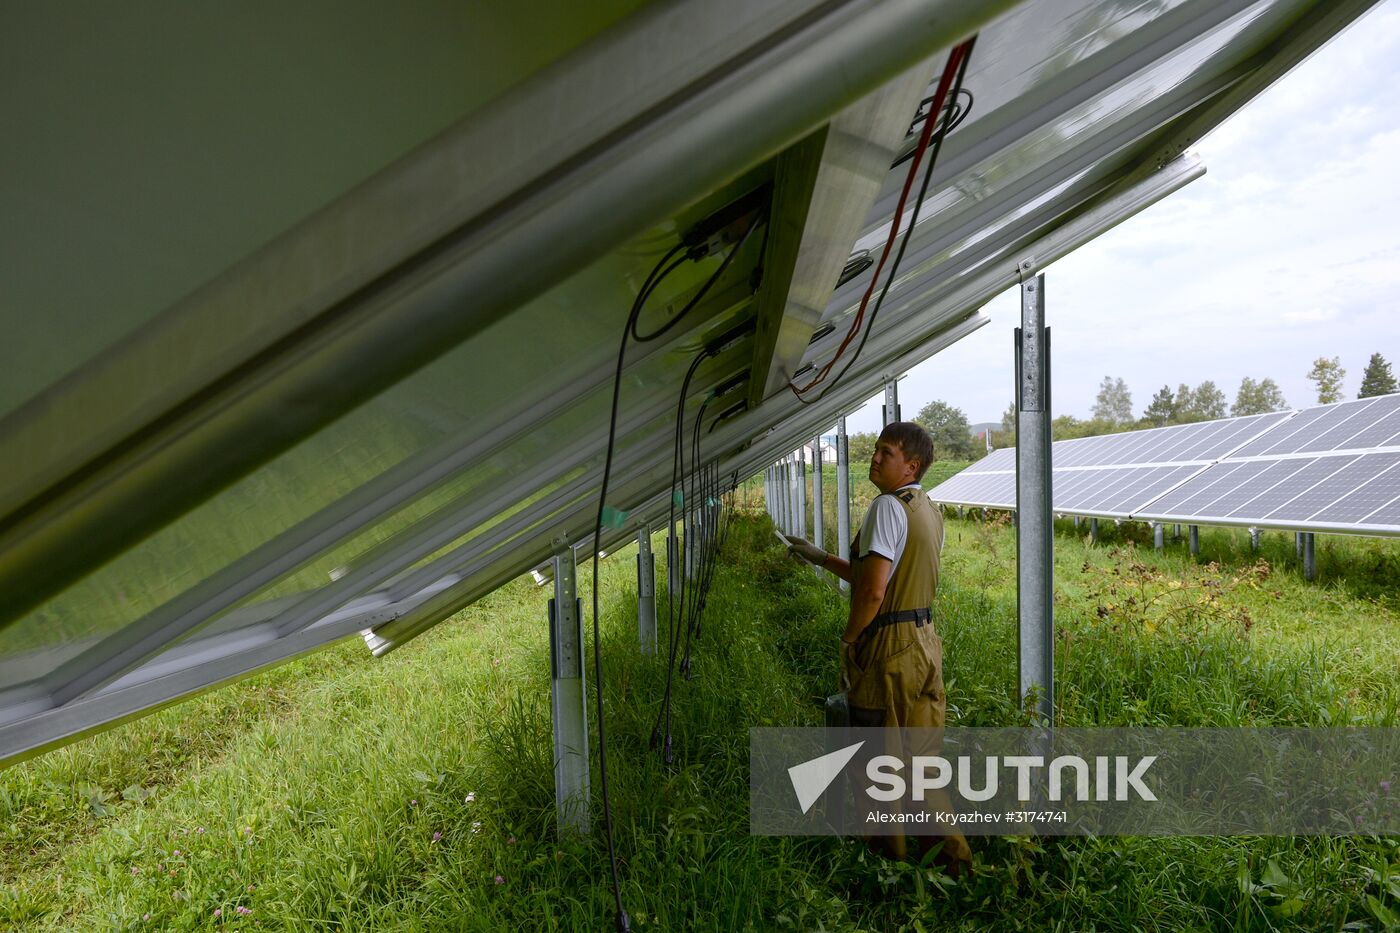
(1194, 533)
(646, 592)
(673, 563)
(801, 492)
(1157, 532)
(890, 411)
(768, 491)
(843, 495)
(1093, 531)
(1309, 557)
(784, 497)
(818, 501)
(1254, 539)
(1298, 543)
(1035, 523)
(1176, 535)
(794, 509)
(569, 696)
(960, 511)
(1076, 522)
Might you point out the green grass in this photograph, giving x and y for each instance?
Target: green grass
(319, 786)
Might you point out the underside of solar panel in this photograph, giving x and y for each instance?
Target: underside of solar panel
(314, 314)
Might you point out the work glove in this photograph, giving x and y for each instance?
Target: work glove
(806, 550)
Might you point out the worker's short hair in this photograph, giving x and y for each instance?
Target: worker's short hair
(914, 441)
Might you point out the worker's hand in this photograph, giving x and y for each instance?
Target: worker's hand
(806, 550)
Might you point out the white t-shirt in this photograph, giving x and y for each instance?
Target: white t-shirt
(885, 529)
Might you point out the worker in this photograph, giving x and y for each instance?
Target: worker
(891, 657)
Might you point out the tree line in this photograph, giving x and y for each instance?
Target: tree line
(1113, 409)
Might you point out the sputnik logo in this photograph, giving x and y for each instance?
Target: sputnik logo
(811, 778)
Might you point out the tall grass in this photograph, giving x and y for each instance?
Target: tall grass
(415, 792)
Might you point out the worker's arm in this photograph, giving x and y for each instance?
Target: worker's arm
(838, 566)
(867, 592)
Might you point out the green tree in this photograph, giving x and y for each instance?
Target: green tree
(1114, 402)
(1162, 407)
(1207, 402)
(1328, 374)
(1204, 403)
(1257, 398)
(860, 446)
(952, 436)
(1377, 379)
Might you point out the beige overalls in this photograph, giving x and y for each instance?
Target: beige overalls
(893, 675)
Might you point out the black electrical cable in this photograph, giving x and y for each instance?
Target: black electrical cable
(908, 233)
(657, 275)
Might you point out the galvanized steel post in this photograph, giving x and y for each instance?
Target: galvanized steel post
(646, 591)
(569, 696)
(802, 492)
(890, 411)
(1157, 532)
(1254, 539)
(1093, 531)
(1194, 533)
(843, 495)
(1034, 540)
(818, 504)
(1309, 557)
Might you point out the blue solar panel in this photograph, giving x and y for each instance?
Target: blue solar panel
(1291, 487)
(1335, 488)
(1339, 437)
(1380, 434)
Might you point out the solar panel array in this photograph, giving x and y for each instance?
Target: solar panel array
(350, 374)
(1330, 468)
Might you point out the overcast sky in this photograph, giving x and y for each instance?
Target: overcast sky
(1286, 250)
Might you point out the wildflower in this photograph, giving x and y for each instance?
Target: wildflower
(176, 853)
(413, 802)
(437, 836)
(145, 916)
(500, 879)
(243, 911)
(200, 831)
(470, 797)
(1385, 787)
(510, 841)
(218, 911)
(135, 870)
(476, 827)
(252, 888)
(248, 830)
(172, 873)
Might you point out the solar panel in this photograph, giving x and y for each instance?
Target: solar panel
(1295, 484)
(1243, 471)
(1337, 487)
(399, 402)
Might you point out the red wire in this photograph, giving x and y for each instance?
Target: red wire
(944, 83)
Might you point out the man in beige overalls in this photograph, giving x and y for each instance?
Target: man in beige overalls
(891, 658)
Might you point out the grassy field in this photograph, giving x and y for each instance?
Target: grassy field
(415, 792)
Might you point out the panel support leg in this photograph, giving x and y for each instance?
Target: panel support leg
(646, 592)
(818, 500)
(890, 411)
(1157, 533)
(843, 495)
(569, 695)
(802, 492)
(1194, 534)
(1309, 557)
(1298, 543)
(1254, 539)
(1093, 531)
(1034, 516)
